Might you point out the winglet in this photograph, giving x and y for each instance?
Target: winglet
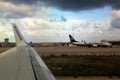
(20, 41)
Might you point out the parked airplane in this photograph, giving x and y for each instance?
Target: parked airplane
(77, 43)
(23, 62)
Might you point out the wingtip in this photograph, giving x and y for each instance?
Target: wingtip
(18, 36)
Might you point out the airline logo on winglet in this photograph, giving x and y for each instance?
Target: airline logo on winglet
(17, 32)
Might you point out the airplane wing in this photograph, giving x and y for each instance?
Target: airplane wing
(23, 62)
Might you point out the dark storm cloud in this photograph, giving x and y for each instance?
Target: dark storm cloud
(76, 5)
(21, 1)
(73, 5)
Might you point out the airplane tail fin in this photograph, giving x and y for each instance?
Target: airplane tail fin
(72, 39)
(20, 41)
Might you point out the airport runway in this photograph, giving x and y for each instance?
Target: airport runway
(73, 50)
(76, 51)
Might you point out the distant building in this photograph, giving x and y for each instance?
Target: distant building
(6, 43)
(113, 43)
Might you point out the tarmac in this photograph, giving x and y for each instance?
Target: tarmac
(77, 51)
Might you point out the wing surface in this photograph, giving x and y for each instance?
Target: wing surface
(15, 65)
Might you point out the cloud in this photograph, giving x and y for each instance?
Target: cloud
(78, 5)
(16, 11)
(63, 18)
(115, 19)
(11, 10)
(58, 19)
(5, 30)
(41, 30)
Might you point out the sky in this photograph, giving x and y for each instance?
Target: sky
(54, 20)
